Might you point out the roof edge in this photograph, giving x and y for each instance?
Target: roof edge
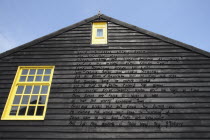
(43, 38)
(161, 37)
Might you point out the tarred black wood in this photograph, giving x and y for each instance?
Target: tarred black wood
(138, 87)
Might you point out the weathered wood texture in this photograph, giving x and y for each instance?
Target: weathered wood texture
(138, 87)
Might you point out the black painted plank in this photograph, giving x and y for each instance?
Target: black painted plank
(102, 129)
(103, 135)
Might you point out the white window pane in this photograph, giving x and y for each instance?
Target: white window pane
(42, 99)
(99, 32)
(24, 72)
(28, 89)
(32, 72)
(33, 99)
(25, 99)
(48, 71)
(38, 78)
(16, 100)
(44, 90)
(30, 78)
(20, 90)
(22, 78)
(40, 71)
(46, 78)
(36, 90)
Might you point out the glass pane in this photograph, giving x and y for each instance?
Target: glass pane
(36, 90)
(16, 100)
(30, 78)
(33, 99)
(25, 99)
(28, 89)
(44, 90)
(99, 32)
(40, 110)
(13, 110)
(46, 78)
(24, 72)
(22, 110)
(20, 90)
(42, 99)
(22, 78)
(47, 71)
(32, 71)
(38, 78)
(31, 110)
(40, 71)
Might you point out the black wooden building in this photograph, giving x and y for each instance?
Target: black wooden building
(135, 85)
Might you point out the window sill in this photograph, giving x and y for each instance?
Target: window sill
(98, 45)
(23, 118)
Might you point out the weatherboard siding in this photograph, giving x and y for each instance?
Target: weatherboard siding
(139, 87)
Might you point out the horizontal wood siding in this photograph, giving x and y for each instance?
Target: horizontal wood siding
(138, 87)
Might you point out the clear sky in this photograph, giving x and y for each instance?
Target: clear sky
(187, 21)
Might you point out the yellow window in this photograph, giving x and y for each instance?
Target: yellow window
(29, 94)
(99, 33)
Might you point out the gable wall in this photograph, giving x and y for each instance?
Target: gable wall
(138, 87)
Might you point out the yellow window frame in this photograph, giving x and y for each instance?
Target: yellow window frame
(101, 39)
(41, 84)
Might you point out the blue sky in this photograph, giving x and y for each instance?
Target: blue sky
(187, 21)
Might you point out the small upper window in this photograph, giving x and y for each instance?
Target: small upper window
(29, 93)
(99, 33)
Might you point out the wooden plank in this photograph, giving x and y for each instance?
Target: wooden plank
(186, 123)
(122, 90)
(83, 27)
(136, 40)
(148, 48)
(83, 95)
(77, 32)
(74, 35)
(110, 41)
(67, 42)
(109, 52)
(102, 129)
(87, 47)
(134, 100)
(123, 31)
(125, 34)
(69, 38)
(62, 69)
(146, 43)
(149, 105)
(111, 62)
(129, 37)
(164, 73)
(30, 135)
(111, 55)
(134, 80)
(110, 27)
(133, 117)
(127, 58)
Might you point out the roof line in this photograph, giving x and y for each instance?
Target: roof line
(43, 38)
(161, 37)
